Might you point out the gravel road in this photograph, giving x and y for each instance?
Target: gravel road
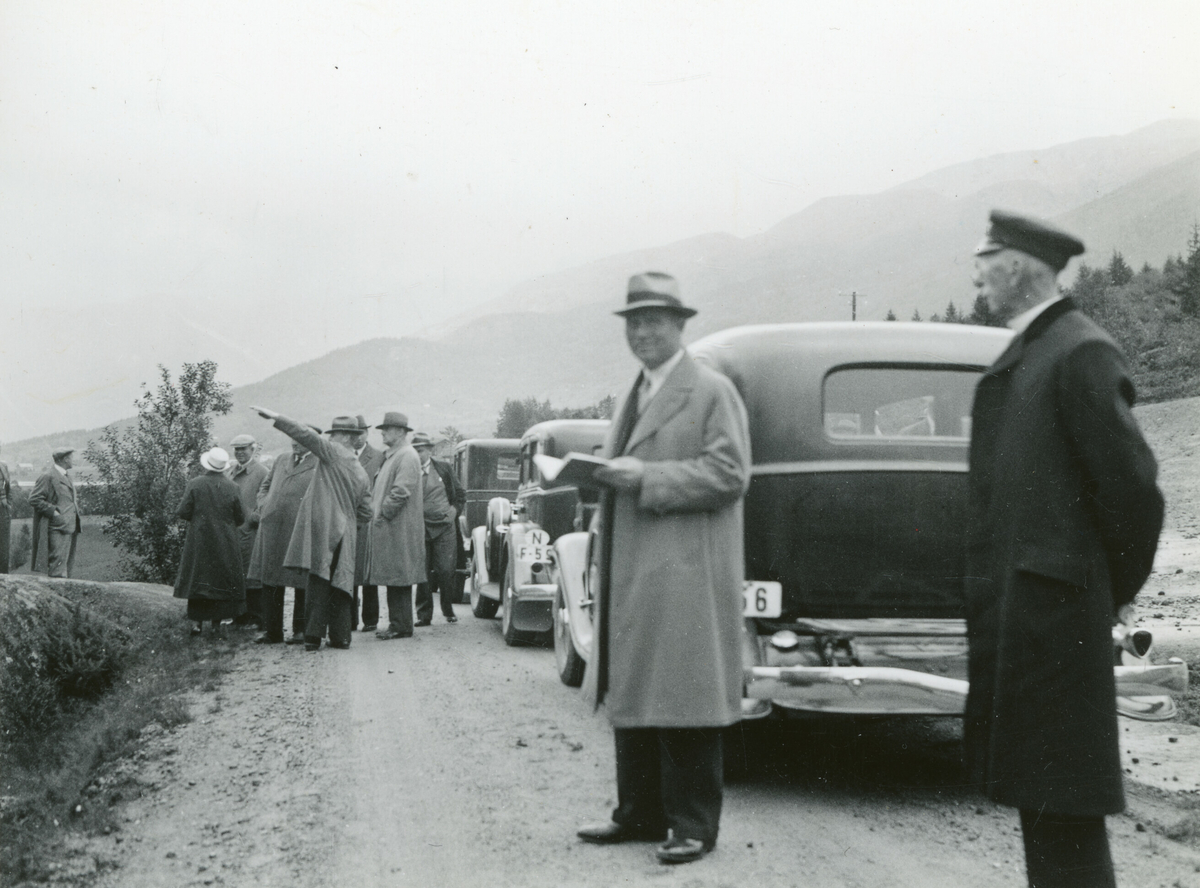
(452, 760)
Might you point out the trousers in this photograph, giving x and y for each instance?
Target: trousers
(439, 558)
(327, 608)
(61, 559)
(1066, 852)
(272, 599)
(400, 609)
(670, 778)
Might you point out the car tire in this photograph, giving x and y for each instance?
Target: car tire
(512, 635)
(481, 606)
(566, 658)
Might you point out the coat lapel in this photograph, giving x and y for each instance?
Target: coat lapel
(669, 400)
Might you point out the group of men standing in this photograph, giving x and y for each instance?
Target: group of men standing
(337, 518)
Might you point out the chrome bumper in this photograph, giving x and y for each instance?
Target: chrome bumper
(886, 690)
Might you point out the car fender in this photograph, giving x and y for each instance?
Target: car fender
(571, 564)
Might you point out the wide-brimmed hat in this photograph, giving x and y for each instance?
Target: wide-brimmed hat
(1036, 237)
(395, 420)
(420, 439)
(243, 441)
(215, 460)
(343, 424)
(61, 451)
(654, 289)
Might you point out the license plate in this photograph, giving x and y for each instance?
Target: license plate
(762, 599)
(533, 553)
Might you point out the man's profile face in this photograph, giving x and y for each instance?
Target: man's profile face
(299, 449)
(425, 453)
(654, 335)
(997, 277)
(243, 452)
(360, 441)
(67, 460)
(392, 435)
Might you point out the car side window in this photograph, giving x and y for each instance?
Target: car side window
(930, 402)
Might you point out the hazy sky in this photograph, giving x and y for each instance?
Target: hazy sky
(382, 167)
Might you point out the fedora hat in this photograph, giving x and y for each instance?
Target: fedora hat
(215, 460)
(394, 419)
(344, 424)
(654, 289)
(362, 423)
(420, 439)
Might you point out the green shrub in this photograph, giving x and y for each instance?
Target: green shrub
(21, 548)
(54, 651)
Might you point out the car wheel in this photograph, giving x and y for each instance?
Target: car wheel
(512, 635)
(566, 657)
(481, 606)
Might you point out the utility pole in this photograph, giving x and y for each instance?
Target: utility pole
(854, 305)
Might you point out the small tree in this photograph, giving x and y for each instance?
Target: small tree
(952, 316)
(981, 313)
(916, 314)
(144, 469)
(890, 316)
(516, 416)
(1119, 272)
(451, 434)
(21, 549)
(1189, 291)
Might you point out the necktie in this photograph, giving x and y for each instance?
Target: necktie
(629, 417)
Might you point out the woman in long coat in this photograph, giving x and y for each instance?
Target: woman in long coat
(211, 576)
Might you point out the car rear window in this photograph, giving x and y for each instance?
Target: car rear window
(493, 471)
(911, 402)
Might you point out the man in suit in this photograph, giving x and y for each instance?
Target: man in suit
(277, 504)
(248, 474)
(666, 658)
(372, 461)
(397, 526)
(53, 498)
(324, 539)
(1063, 522)
(444, 499)
(5, 515)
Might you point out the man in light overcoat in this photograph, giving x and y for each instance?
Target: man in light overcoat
(278, 504)
(397, 553)
(372, 461)
(53, 498)
(1063, 522)
(666, 661)
(325, 536)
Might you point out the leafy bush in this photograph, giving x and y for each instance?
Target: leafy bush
(143, 471)
(20, 550)
(53, 651)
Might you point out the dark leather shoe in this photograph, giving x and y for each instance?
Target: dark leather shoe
(370, 628)
(266, 639)
(423, 622)
(614, 833)
(388, 635)
(295, 638)
(340, 645)
(675, 850)
(451, 619)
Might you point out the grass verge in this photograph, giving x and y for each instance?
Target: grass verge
(50, 761)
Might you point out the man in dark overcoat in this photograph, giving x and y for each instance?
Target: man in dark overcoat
(248, 474)
(324, 539)
(5, 515)
(666, 659)
(278, 503)
(1064, 516)
(372, 461)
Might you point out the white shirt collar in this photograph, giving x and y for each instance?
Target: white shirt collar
(654, 379)
(60, 469)
(1022, 321)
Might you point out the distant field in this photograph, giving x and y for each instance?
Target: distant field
(95, 556)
